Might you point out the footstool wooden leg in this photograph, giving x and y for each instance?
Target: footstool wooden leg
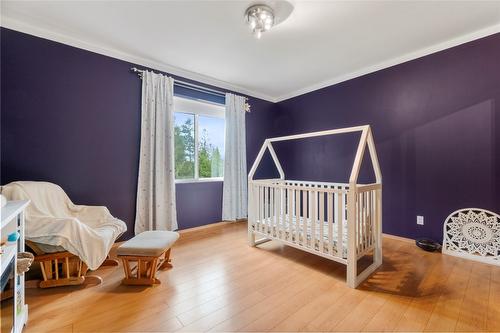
(166, 261)
(143, 274)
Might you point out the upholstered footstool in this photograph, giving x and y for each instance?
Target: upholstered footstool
(150, 250)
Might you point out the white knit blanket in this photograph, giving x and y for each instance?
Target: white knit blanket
(51, 218)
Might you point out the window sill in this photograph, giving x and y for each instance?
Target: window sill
(200, 180)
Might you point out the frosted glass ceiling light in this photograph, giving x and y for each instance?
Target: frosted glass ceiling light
(260, 18)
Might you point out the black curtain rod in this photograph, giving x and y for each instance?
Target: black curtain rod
(188, 85)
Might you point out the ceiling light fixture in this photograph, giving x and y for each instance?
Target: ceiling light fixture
(260, 18)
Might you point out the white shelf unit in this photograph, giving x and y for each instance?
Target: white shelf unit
(12, 220)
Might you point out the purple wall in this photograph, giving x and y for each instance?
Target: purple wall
(436, 122)
(72, 117)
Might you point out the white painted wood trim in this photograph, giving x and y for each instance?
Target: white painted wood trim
(351, 237)
(398, 238)
(365, 129)
(62, 37)
(12, 218)
(356, 166)
(255, 164)
(199, 180)
(374, 156)
(11, 210)
(319, 133)
(393, 62)
(276, 160)
(196, 147)
(193, 106)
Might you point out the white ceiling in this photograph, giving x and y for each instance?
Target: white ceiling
(321, 43)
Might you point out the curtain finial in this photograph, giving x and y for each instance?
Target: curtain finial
(247, 105)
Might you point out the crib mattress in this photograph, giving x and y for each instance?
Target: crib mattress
(284, 228)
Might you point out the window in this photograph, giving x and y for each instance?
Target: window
(199, 129)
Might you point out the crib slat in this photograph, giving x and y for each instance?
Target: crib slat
(358, 220)
(365, 220)
(256, 205)
(266, 209)
(262, 205)
(297, 215)
(271, 210)
(308, 226)
(272, 214)
(361, 221)
(305, 194)
(313, 216)
(374, 216)
(289, 200)
(270, 207)
(276, 209)
(372, 213)
(369, 219)
(344, 207)
(283, 211)
(276, 220)
(329, 213)
(321, 219)
(259, 208)
(288, 214)
(340, 224)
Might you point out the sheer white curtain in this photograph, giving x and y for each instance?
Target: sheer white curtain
(156, 184)
(234, 196)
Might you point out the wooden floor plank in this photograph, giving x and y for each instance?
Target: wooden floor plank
(474, 310)
(332, 315)
(389, 314)
(445, 315)
(297, 320)
(362, 314)
(427, 293)
(493, 319)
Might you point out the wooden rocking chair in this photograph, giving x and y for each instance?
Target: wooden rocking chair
(63, 269)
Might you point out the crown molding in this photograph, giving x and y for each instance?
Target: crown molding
(56, 36)
(395, 61)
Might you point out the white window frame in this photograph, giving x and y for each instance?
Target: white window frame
(196, 108)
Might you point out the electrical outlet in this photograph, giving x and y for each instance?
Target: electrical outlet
(420, 220)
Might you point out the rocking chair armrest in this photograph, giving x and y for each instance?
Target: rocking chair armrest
(52, 256)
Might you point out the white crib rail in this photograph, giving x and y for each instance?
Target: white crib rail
(313, 216)
(306, 214)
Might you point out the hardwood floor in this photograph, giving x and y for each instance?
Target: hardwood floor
(218, 283)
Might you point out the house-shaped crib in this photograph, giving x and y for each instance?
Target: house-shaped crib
(341, 222)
